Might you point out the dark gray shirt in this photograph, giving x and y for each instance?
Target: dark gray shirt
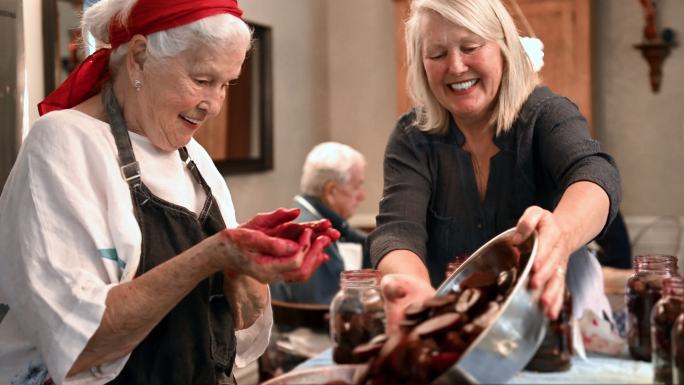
(431, 205)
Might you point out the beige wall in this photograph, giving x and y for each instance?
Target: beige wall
(334, 80)
(300, 100)
(362, 85)
(333, 65)
(642, 130)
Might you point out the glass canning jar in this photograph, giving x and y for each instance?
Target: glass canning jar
(663, 317)
(555, 352)
(644, 289)
(357, 313)
(678, 350)
(455, 264)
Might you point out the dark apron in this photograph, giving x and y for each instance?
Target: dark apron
(195, 342)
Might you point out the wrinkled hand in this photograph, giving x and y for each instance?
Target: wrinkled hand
(260, 256)
(551, 261)
(312, 237)
(322, 235)
(265, 222)
(279, 223)
(399, 291)
(313, 258)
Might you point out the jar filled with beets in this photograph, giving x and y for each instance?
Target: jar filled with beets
(555, 352)
(644, 289)
(357, 313)
(663, 317)
(678, 350)
(455, 263)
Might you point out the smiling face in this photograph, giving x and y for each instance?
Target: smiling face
(180, 93)
(463, 70)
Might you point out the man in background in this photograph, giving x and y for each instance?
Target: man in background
(331, 188)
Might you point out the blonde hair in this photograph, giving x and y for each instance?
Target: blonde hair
(221, 28)
(490, 20)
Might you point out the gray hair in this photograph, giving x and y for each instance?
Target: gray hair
(222, 28)
(490, 20)
(328, 161)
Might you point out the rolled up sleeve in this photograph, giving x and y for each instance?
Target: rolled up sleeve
(252, 342)
(570, 155)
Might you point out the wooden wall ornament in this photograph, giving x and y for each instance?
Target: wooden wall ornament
(655, 47)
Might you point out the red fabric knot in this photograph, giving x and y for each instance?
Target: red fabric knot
(146, 17)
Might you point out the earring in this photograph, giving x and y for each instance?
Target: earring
(137, 84)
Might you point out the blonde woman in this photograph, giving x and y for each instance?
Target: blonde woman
(484, 149)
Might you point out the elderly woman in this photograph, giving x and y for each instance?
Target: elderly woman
(121, 259)
(332, 188)
(485, 149)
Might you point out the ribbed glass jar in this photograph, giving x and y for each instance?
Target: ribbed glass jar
(644, 289)
(678, 351)
(663, 317)
(455, 264)
(357, 313)
(555, 352)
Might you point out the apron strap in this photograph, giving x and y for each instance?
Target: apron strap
(192, 167)
(190, 164)
(130, 170)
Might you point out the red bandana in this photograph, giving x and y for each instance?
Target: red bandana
(146, 17)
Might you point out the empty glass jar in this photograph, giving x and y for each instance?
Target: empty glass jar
(644, 289)
(663, 317)
(357, 313)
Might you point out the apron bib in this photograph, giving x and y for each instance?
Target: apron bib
(195, 342)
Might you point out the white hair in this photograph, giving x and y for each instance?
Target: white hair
(217, 29)
(328, 161)
(490, 20)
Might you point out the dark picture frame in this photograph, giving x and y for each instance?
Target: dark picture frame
(253, 92)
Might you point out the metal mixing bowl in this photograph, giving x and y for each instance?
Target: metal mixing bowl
(502, 349)
(508, 343)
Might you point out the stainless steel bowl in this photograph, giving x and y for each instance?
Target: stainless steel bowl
(501, 350)
(508, 343)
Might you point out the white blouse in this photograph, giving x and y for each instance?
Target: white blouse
(68, 234)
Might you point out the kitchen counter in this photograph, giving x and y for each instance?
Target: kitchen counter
(595, 369)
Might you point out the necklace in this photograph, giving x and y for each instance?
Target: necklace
(480, 177)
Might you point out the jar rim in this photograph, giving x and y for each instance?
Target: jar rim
(655, 262)
(362, 276)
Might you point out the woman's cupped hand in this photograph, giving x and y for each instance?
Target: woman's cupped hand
(270, 247)
(400, 291)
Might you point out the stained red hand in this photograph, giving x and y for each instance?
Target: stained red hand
(267, 221)
(266, 247)
(293, 231)
(312, 259)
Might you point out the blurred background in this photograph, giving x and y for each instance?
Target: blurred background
(336, 74)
